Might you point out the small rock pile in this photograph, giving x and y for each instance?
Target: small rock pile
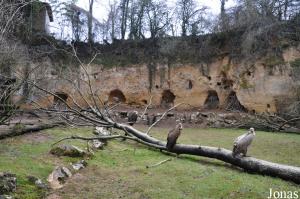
(8, 184)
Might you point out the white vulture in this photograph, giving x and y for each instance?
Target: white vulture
(241, 143)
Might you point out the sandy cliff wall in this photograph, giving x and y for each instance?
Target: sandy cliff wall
(264, 85)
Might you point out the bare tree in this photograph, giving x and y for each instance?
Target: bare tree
(265, 12)
(112, 19)
(124, 17)
(12, 52)
(223, 17)
(77, 22)
(157, 18)
(137, 16)
(187, 11)
(90, 22)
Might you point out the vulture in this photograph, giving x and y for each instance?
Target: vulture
(132, 117)
(242, 143)
(173, 136)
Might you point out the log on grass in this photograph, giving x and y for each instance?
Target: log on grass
(23, 129)
(249, 164)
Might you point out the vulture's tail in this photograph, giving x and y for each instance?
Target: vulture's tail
(169, 146)
(234, 150)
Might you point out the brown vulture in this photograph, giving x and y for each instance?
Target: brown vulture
(132, 117)
(242, 143)
(173, 136)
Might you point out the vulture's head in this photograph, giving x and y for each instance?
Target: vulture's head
(251, 130)
(179, 126)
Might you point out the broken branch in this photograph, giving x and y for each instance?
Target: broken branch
(159, 163)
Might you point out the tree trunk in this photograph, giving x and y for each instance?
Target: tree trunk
(124, 8)
(90, 22)
(14, 131)
(249, 164)
(223, 25)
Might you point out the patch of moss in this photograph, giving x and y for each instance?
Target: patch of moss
(295, 63)
(226, 68)
(245, 83)
(272, 61)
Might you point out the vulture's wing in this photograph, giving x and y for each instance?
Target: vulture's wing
(246, 140)
(237, 144)
(241, 137)
(132, 118)
(172, 138)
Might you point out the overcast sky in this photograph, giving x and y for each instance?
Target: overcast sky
(101, 6)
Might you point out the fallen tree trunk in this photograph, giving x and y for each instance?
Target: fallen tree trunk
(10, 132)
(249, 164)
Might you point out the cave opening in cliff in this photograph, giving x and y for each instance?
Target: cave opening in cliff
(212, 100)
(233, 103)
(189, 84)
(59, 99)
(116, 96)
(167, 99)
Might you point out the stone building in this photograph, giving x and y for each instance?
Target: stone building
(38, 16)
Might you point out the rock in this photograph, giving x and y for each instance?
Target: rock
(68, 150)
(194, 116)
(101, 131)
(40, 184)
(8, 183)
(97, 144)
(79, 165)
(6, 197)
(145, 117)
(32, 179)
(58, 177)
(37, 182)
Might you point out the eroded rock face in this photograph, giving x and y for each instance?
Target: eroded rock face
(8, 183)
(261, 86)
(68, 150)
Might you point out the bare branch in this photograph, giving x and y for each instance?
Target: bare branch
(163, 115)
(146, 108)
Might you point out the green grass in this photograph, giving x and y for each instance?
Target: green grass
(120, 170)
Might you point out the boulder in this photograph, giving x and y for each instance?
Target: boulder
(8, 183)
(79, 165)
(96, 144)
(68, 150)
(37, 182)
(101, 131)
(40, 184)
(58, 177)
